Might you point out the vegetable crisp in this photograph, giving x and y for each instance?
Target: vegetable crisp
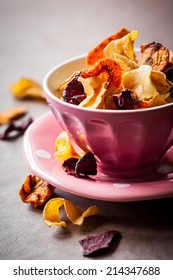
(14, 130)
(12, 114)
(51, 213)
(36, 191)
(25, 88)
(100, 242)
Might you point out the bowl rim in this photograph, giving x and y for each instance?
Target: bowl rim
(84, 109)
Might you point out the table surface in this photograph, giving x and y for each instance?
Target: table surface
(35, 36)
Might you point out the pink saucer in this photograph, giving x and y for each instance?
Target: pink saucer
(39, 149)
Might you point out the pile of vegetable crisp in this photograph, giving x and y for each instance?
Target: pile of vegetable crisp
(116, 77)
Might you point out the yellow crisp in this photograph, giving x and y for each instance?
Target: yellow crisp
(51, 212)
(11, 114)
(64, 149)
(125, 63)
(95, 90)
(123, 46)
(162, 84)
(27, 88)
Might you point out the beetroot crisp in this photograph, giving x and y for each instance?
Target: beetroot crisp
(126, 100)
(98, 243)
(15, 130)
(74, 91)
(84, 166)
(69, 165)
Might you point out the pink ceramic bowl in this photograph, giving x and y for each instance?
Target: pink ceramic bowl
(127, 143)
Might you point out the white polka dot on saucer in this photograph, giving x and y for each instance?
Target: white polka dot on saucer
(121, 185)
(43, 154)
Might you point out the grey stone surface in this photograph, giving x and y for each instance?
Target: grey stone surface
(35, 36)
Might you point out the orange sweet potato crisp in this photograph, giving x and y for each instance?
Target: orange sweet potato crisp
(107, 69)
(97, 53)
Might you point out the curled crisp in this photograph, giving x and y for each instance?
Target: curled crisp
(155, 55)
(12, 114)
(97, 53)
(108, 70)
(36, 191)
(51, 212)
(25, 87)
(64, 148)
